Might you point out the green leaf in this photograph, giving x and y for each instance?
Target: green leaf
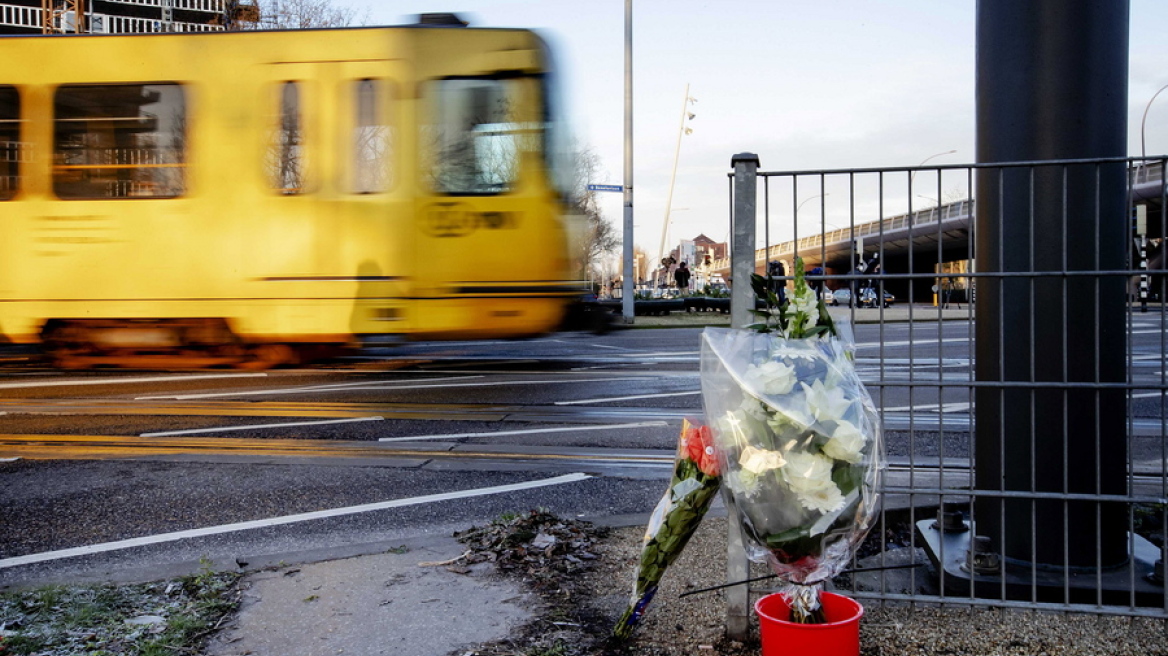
(847, 477)
(786, 536)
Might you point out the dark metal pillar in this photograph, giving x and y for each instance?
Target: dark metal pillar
(1051, 84)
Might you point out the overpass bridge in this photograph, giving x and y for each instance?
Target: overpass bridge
(933, 235)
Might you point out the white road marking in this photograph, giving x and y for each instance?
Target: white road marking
(530, 431)
(386, 386)
(287, 390)
(627, 398)
(280, 521)
(499, 383)
(948, 407)
(924, 341)
(122, 381)
(915, 362)
(223, 429)
(1149, 395)
(609, 346)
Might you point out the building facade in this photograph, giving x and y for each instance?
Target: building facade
(123, 16)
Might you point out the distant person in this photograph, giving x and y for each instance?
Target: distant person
(681, 276)
(776, 272)
(817, 285)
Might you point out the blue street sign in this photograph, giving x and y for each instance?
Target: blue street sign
(617, 188)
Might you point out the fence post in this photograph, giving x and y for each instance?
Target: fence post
(742, 224)
(742, 247)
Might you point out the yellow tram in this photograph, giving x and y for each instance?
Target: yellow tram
(247, 197)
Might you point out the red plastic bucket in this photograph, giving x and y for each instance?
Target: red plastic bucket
(840, 636)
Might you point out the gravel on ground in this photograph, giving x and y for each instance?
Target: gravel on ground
(581, 611)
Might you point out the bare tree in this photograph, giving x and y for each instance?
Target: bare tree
(599, 238)
(304, 14)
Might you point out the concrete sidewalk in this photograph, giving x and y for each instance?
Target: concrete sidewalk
(400, 600)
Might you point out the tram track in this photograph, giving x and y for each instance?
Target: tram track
(902, 474)
(445, 411)
(258, 450)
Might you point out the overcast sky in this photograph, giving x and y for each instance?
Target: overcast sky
(806, 85)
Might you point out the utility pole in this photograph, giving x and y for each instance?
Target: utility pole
(627, 286)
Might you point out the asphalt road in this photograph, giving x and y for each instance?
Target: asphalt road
(125, 474)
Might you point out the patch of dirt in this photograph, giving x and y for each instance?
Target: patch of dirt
(584, 575)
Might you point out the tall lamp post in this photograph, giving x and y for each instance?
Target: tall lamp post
(914, 173)
(1144, 121)
(686, 115)
(795, 221)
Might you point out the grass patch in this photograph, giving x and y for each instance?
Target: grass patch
(147, 619)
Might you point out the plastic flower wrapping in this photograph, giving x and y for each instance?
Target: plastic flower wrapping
(691, 490)
(798, 439)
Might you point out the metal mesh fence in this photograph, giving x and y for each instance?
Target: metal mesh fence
(1010, 324)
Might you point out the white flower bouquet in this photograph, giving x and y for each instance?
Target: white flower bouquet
(798, 437)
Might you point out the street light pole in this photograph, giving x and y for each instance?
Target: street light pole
(914, 173)
(682, 131)
(627, 285)
(1143, 145)
(795, 220)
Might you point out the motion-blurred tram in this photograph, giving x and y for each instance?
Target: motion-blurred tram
(250, 198)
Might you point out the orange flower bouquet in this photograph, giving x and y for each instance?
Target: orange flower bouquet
(695, 482)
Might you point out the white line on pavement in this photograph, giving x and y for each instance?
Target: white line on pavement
(223, 429)
(948, 407)
(387, 385)
(499, 383)
(123, 381)
(627, 398)
(924, 341)
(287, 519)
(669, 354)
(610, 346)
(529, 431)
(335, 387)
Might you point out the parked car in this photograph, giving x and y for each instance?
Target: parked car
(867, 298)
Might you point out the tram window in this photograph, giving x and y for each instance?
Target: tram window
(11, 152)
(119, 141)
(285, 156)
(475, 136)
(373, 139)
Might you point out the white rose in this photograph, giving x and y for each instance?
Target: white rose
(759, 461)
(825, 403)
(846, 443)
(771, 377)
(807, 471)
